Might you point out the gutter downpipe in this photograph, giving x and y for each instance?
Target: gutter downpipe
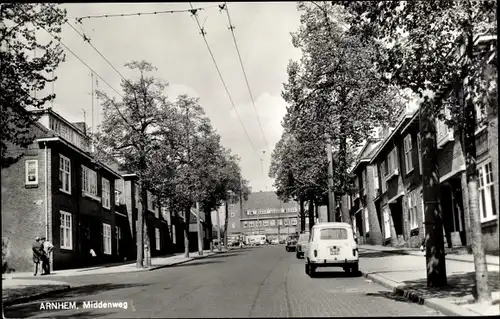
(46, 193)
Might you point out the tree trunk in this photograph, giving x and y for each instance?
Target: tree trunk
(187, 220)
(375, 230)
(226, 218)
(302, 215)
(469, 147)
(199, 228)
(345, 209)
(316, 209)
(311, 213)
(139, 228)
(435, 260)
(208, 218)
(331, 193)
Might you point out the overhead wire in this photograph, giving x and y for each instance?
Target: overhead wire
(231, 27)
(203, 33)
(83, 62)
(113, 15)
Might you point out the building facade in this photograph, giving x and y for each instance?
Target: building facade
(263, 213)
(397, 162)
(60, 191)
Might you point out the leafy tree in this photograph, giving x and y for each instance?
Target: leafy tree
(423, 38)
(128, 132)
(22, 74)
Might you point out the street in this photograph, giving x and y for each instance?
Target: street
(251, 282)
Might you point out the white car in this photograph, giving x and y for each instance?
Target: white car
(332, 245)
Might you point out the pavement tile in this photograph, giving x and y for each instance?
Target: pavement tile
(407, 275)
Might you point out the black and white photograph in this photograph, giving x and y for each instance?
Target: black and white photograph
(249, 159)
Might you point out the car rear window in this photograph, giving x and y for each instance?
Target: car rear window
(333, 233)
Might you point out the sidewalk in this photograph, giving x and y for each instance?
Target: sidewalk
(23, 287)
(156, 263)
(404, 271)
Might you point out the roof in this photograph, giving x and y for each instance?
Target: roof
(330, 224)
(364, 156)
(49, 110)
(265, 200)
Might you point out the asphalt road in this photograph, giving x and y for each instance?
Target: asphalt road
(251, 282)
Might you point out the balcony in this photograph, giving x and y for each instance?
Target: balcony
(444, 134)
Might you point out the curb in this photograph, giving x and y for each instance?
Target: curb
(445, 307)
(409, 253)
(15, 301)
(181, 262)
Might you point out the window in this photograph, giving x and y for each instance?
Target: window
(233, 225)
(286, 222)
(65, 174)
(294, 221)
(384, 168)
(407, 145)
(363, 177)
(245, 224)
(136, 195)
(367, 220)
(117, 197)
(151, 201)
(412, 210)
(31, 172)
(66, 230)
(232, 214)
(89, 181)
(266, 223)
(106, 193)
(387, 223)
(272, 222)
(251, 224)
(375, 179)
(157, 239)
(106, 238)
(118, 237)
(487, 205)
(333, 234)
(419, 148)
(280, 222)
(392, 161)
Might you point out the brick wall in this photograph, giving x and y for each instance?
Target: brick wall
(23, 209)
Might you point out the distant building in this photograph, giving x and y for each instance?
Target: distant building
(263, 213)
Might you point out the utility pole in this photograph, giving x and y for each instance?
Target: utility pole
(198, 224)
(331, 195)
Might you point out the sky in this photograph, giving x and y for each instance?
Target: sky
(172, 42)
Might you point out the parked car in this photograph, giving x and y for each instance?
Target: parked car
(291, 243)
(302, 245)
(275, 241)
(332, 245)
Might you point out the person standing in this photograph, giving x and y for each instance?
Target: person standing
(37, 248)
(47, 248)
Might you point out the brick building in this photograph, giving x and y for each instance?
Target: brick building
(397, 162)
(263, 213)
(60, 191)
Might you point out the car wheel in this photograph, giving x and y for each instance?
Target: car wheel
(297, 255)
(355, 269)
(286, 248)
(307, 268)
(312, 270)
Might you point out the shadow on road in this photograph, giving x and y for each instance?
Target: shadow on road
(335, 274)
(197, 263)
(378, 254)
(240, 253)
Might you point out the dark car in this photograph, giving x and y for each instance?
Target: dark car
(291, 243)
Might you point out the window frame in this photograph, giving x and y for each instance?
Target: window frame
(265, 223)
(366, 217)
(107, 239)
(157, 238)
(27, 172)
(486, 184)
(62, 171)
(91, 176)
(63, 228)
(408, 150)
(412, 210)
(419, 149)
(105, 193)
(117, 196)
